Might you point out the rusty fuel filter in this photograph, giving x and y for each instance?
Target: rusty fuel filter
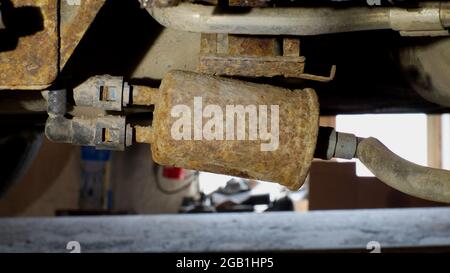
(232, 127)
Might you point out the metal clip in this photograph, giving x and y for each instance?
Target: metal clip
(103, 92)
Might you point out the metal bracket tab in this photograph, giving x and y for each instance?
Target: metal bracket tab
(112, 133)
(234, 55)
(103, 92)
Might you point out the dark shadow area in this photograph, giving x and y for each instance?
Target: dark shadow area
(18, 22)
(18, 151)
(43, 173)
(368, 79)
(114, 44)
(368, 76)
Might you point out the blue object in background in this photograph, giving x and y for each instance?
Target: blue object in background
(90, 153)
(95, 190)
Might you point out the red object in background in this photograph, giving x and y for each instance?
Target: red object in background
(173, 173)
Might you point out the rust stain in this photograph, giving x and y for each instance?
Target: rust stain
(143, 95)
(208, 43)
(251, 46)
(33, 64)
(251, 56)
(291, 47)
(251, 67)
(144, 134)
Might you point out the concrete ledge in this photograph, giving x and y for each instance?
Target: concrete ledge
(285, 231)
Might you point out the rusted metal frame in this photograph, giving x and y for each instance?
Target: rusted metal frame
(37, 59)
(233, 55)
(33, 64)
(249, 67)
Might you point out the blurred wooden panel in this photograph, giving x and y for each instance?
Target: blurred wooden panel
(335, 185)
(51, 183)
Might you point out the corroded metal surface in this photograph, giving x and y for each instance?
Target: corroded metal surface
(251, 46)
(33, 64)
(143, 95)
(246, 66)
(291, 47)
(144, 134)
(75, 20)
(234, 55)
(298, 126)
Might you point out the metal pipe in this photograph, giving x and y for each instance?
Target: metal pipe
(144, 95)
(271, 21)
(335, 144)
(419, 181)
(428, 19)
(56, 102)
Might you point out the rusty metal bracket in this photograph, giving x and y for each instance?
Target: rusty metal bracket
(317, 78)
(34, 60)
(233, 55)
